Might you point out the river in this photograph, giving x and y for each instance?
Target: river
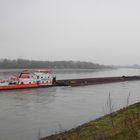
(26, 113)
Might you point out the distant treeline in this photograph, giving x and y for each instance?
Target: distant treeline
(22, 63)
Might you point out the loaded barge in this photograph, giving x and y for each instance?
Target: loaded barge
(93, 81)
(44, 78)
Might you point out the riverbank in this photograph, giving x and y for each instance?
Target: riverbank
(120, 125)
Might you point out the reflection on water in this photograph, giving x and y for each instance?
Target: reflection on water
(24, 112)
(19, 109)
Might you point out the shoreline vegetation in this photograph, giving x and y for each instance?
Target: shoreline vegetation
(123, 124)
(31, 64)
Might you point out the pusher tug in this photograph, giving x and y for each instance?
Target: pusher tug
(28, 79)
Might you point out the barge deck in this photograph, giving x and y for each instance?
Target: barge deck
(93, 81)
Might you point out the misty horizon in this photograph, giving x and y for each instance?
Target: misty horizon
(104, 32)
(73, 61)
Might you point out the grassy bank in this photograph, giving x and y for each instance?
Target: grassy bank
(121, 125)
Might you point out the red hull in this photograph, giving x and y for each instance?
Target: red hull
(18, 86)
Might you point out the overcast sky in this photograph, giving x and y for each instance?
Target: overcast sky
(101, 31)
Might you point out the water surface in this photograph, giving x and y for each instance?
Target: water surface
(23, 113)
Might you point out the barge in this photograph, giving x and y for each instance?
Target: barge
(44, 78)
(94, 81)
